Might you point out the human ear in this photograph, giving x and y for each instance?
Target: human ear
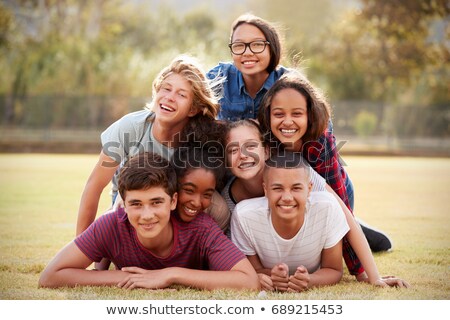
(173, 201)
(193, 111)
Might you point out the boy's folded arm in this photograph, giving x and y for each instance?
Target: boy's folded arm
(241, 276)
(331, 269)
(68, 269)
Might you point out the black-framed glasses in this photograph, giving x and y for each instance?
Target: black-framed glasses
(254, 46)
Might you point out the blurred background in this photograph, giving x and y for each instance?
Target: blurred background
(68, 68)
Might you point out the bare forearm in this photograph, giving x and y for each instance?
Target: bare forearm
(359, 243)
(324, 276)
(88, 208)
(71, 277)
(210, 280)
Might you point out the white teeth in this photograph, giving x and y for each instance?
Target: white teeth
(191, 211)
(289, 131)
(246, 165)
(286, 207)
(166, 108)
(248, 62)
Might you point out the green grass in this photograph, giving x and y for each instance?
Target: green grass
(405, 197)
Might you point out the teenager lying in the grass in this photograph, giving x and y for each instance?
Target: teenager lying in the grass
(292, 236)
(150, 247)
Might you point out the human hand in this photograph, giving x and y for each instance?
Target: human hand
(141, 278)
(280, 277)
(391, 281)
(299, 281)
(265, 281)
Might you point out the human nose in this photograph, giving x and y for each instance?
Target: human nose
(148, 213)
(288, 120)
(286, 196)
(196, 201)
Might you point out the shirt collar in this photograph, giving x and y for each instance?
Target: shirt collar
(267, 84)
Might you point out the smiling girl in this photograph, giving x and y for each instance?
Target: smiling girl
(256, 50)
(199, 172)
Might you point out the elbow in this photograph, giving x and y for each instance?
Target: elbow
(46, 280)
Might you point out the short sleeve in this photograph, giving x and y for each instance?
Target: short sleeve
(337, 226)
(238, 235)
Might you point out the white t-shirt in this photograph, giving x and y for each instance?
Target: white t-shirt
(323, 227)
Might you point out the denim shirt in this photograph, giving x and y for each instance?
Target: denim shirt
(236, 103)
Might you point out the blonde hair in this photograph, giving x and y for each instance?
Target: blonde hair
(205, 98)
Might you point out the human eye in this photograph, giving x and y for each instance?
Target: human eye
(258, 45)
(252, 146)
(136, 204)
(278, 114)
(182, 94)
(233, 150)
(165, 88)
(188, 190)
(208, 195)
(238, 46)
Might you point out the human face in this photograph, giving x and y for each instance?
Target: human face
(245, 153)
(149, 213)
(250, 63)
(195, 193)
(289, 118)
(287, 191)
(174, 101)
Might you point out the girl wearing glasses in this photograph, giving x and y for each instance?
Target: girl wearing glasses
(256, 51)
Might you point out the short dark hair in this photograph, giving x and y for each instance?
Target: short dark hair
(147, 170)
(270, 32)
(288, 160)
(208, 156)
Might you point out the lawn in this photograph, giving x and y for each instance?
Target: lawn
(405, 197)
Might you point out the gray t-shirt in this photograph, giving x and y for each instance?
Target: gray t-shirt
(129, 136)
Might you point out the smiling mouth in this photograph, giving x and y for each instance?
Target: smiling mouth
(190, 212)
(288, 131)
(147, 226)
(248, 63)
(166, 108)
(246, 165)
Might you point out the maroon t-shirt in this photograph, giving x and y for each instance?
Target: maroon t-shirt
(199, 244)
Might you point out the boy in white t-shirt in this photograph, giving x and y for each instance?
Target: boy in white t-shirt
(292, 236)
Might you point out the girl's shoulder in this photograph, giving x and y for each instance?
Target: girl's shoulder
(221, 69)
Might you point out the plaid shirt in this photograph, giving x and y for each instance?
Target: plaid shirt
(323, 157)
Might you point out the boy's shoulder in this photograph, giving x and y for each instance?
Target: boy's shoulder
(323, 199)
(136, 117)
(254, 206)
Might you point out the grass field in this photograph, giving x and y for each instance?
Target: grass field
(405, 197)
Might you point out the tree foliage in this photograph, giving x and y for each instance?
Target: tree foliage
(394, 51)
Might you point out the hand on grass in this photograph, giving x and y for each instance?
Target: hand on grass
(265, 281)
(141, 278)
(385, 281)
(393, 281)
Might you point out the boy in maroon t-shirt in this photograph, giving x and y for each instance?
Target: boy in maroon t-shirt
(149, 247)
